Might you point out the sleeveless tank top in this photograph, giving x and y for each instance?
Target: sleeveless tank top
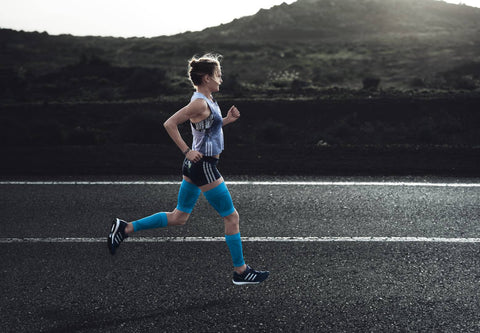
(208, 133)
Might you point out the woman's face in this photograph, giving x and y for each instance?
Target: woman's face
(216, 80)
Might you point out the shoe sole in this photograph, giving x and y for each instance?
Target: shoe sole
(244, 283)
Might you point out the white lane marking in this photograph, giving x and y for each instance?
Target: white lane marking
(244, 239)
(262, 183)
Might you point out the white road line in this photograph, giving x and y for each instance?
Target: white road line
(244, 239)
(260, 183)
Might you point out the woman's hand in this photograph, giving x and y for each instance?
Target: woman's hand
(194, 156)
(232, 115)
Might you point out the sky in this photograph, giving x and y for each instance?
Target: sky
(130, 18)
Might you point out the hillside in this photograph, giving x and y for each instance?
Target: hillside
(307, 48)
(349, 20)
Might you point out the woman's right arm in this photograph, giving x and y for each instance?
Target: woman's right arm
(171, 125)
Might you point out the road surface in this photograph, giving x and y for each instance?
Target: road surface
(345, 255)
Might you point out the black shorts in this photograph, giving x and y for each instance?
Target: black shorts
(203, 172)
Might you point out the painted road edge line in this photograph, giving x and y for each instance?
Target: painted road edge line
(7, 240)
(263, 183)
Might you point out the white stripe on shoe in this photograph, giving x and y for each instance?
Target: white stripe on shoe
(250, 277)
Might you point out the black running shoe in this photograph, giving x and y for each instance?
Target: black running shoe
(250, 276)
(117, 235)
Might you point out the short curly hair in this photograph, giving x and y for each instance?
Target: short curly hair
(204, 65)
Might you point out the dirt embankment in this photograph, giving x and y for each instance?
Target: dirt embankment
(384, 136)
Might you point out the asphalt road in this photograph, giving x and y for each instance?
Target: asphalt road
(341, 286)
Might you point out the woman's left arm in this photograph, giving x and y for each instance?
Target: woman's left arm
(232, 115)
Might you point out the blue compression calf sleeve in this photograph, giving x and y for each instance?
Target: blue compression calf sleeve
(234, 243)
(220, 199)
(187, 197)
(158, 220)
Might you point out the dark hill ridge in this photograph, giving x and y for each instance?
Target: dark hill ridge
(316, 20)
(297, 49)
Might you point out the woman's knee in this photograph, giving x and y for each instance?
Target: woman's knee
(232, 225)
(177, 217)
(233, 218)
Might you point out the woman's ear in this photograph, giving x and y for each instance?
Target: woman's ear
(206, 78)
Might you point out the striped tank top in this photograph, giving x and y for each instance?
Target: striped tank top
(208, 133)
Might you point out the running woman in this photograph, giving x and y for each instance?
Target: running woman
(200, 173)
